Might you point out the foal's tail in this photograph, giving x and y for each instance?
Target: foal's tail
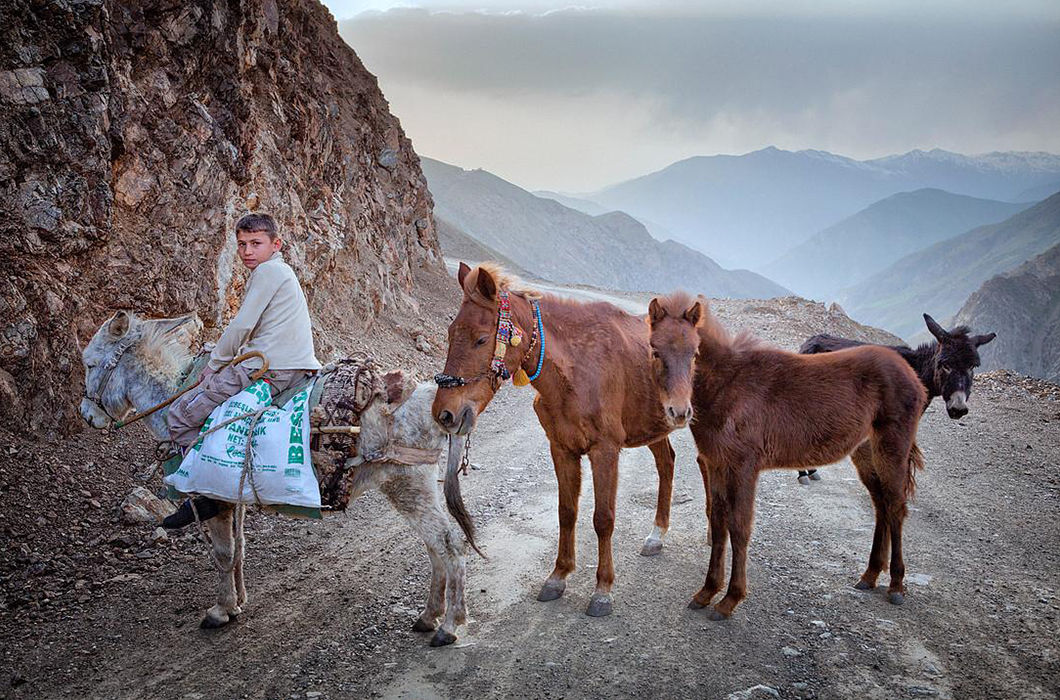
(454, 501)
(916, 463)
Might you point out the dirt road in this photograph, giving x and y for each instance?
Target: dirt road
(331, 604)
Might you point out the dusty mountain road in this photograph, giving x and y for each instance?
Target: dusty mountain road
(331, 604)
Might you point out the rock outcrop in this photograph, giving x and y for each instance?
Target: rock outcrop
(134, 134)
(1023, 307)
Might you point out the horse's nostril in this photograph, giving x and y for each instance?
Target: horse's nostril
(445, 418)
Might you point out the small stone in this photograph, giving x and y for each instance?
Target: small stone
(95, 504)
(388, 158)
(313, 693)
(755, 691)
(422, 345)
(142, 506)
(790, 651)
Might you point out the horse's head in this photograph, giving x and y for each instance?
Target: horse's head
(674, 339)
(111, 372)
(471, 376)
(955, 364)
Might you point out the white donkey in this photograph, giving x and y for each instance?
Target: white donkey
(132, 364)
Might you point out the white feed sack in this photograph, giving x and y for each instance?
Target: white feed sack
(283, 472)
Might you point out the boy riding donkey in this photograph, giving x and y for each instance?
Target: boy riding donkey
(273, 320)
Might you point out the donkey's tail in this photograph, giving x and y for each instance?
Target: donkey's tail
(916, 463)
(454, 501)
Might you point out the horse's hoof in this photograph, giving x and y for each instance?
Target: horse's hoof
(442, 638)
(896, 597)
(211, 623)
(551, 590)
(696, 605)
(863, 585)
(599, 605)
(420, 626)
(651, 548)
(716, 615)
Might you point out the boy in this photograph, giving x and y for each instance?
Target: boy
(273, 319)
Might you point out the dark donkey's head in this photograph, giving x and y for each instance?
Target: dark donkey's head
(471, 376)
(674, 341)
(955, 361)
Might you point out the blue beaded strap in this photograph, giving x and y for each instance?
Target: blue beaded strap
(541, 335)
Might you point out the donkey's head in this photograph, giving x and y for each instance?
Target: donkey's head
(400, 412)
(471, 379)
(129, 355)
(674, 341)
(955, 363)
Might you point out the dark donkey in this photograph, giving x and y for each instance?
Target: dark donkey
(589, 364)
(945, 367)
(759, 408)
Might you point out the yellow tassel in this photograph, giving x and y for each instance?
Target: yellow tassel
(520, 378)
(516, 340)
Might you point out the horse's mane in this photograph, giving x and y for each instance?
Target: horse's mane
(504, 280)
(162, 352)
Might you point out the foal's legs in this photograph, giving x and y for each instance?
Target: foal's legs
(862, 457)
(664, 464)
(604, 461)
(569, 478)
(220, 529)
(717, 515)
(740, 500)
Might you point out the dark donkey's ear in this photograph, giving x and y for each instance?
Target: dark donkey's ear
(461, 274)
(397, 388)
(656, 312)
(936, 330)
(978, 340)
(694, 313)
(118, 325)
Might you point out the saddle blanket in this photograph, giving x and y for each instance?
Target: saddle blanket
(281, 470)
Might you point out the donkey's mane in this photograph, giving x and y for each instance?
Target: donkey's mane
(162, 353)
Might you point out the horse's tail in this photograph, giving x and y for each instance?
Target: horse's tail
(916, 463)
(454, 501)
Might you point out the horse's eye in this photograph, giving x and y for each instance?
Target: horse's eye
(481, 341)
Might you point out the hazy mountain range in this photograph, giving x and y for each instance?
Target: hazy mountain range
(558, 243)
(861, 245)
(748, 210)
(940, 277)
(1023, 307)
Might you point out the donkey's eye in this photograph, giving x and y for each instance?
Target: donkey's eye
(481, 341)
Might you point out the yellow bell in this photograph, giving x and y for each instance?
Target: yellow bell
(516, 340)
(520, 378)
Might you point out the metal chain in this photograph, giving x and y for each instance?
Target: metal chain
(465, 461)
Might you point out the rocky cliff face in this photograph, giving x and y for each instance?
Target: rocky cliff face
(133, 134)
(1023, 308)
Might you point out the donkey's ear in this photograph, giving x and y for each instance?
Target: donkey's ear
(487, 287)
(461, 274)
(983, 339)
(936, 330)
(694, 313)
(119, 324)
(397, 388)
(656, 312)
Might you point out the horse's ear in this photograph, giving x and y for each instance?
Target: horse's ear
(461, 274)
(936, 330)
(487, 287)
(119, 324)
(397, 389)
(983, 339)
(656, 312)
(694, 313)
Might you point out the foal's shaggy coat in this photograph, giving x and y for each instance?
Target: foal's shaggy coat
(757, 407)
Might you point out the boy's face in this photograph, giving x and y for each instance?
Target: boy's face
(255, 247)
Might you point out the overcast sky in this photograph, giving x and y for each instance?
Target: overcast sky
(574, 98)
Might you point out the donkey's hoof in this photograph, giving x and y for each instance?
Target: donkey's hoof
(863, 585)
(211, 623)
(599, 605)
(895, 597)
(420, 626)
(442, 638)
(651, 547)
(716, 615)
(551, 590)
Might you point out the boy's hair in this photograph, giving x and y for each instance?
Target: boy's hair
(258, 222)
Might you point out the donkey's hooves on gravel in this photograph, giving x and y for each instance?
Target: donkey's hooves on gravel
(211, 623)
(651, 548)
(599, 605)
(420, 626)
(551, 590)
(442, 638)
(896, 597)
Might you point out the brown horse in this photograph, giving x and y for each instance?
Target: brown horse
(759, 408)
(589, 363)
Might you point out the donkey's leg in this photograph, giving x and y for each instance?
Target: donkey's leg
(717, 515)
(741, 503)
(604, 460)
(240, 553)
(455, 605)
(664, 464)
(862, 457)
(221, 532)
(569, 477)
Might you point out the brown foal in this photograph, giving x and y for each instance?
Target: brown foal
(595, 395)
(757, 407)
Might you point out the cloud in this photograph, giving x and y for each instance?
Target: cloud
(581, 98)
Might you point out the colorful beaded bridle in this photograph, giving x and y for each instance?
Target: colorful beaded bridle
(507, 334)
